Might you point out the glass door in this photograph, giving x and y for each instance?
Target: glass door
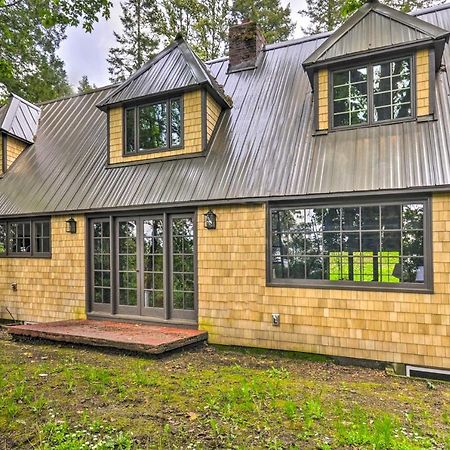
(127, 265)
(152, 296)
(183, 304)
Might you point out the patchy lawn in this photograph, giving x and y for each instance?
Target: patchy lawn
(58, 397)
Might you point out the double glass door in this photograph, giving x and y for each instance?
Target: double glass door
(151, 267)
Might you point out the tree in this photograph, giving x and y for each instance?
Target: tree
(30, 34)
(328, 15)
(274, 20)
(138, 41)
(84, 85)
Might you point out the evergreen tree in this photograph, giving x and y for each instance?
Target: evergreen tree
(274, 20)
(30, 34)
(328, 15)
(84, 85)
(138, 41)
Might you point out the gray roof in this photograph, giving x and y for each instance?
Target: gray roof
(20, 118)
(373, 27)
(264, 148)
(176, 68)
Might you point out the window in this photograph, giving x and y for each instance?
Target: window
(156, 126)
(371, 244)
(101, 255)
(25, 238)
(372, 94)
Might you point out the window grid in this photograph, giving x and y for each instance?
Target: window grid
(363, 252)
(350, 97)
(42, 237)
(183, 263)
(102, 262)
(400, 103)
(391, 87)
(25, 238)
(127, 263)
(153, 263)
(171, 124)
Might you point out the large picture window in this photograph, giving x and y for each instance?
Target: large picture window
(372, 93)
(383, 244)
(25, 238)
(152, 127)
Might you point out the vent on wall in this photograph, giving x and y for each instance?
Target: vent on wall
(425, 372)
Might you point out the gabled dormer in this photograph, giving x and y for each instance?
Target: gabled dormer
(379, 67)
(169, 108)
(18, 126)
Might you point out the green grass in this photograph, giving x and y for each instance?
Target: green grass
(63, 398)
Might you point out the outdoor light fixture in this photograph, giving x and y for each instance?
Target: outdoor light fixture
(71, 225)
(210, 220)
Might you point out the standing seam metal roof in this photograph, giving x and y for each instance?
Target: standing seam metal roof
(20, 118)
(263, 148)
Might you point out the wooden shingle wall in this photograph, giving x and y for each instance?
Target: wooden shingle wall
(192, 109)
(213, 111)
(14, 148)
(423, 82)
(48, 289)
(322, 97)
(235, 305)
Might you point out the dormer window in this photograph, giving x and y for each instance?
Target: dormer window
(153, 127)
(372, 93)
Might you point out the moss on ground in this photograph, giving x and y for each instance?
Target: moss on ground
(62, 397)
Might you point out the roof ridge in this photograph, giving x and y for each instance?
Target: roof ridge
(79, 94)
(21, 99)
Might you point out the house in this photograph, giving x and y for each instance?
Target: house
(292, 196)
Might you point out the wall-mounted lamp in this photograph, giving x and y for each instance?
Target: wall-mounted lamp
(71, 225)
(210, 220)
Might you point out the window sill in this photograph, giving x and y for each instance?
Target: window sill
(353, 286)
(27, 256)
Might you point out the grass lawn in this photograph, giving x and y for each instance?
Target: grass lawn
(59, 397)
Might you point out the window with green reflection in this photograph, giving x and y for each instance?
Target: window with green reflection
(371, 244)
(372, 93)
(153, 127)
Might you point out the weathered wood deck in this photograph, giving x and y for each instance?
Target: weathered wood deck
(146, 338)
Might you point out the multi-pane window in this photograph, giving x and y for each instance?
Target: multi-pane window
(371, 243)
(42, 236)
(183, 263)
(156, 126)
(101, 254)
(153, 263)
(25, 238)
(372, 93)
(350, 97)
(127, 262)
(392, 90)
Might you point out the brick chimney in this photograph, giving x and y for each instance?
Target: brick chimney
(245, 45)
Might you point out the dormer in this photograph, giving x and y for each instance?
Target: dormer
(18, 126)
(378, 68)
(168, 109)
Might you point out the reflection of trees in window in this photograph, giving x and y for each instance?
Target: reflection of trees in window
(392, 90)
(350, 97)
(376, 243)
(155, 126)
(389, 90)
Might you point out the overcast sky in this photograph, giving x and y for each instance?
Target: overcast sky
(85, 53)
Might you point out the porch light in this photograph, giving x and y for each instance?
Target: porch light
(71, 226)
(210, 220)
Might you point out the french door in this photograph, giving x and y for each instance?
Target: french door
(144, 266)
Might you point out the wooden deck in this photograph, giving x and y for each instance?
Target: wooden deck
(145, 338)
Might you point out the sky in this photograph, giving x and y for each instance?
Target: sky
(85, 53)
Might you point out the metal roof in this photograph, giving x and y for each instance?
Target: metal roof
(20, 118)
(373, 27)
(264, 148)
(176, 67)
